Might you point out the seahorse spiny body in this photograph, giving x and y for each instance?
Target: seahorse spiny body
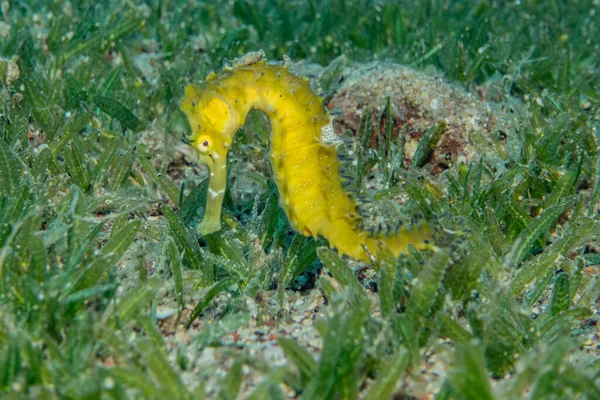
(304, 162)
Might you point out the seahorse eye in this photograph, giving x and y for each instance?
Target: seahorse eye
(204, 144)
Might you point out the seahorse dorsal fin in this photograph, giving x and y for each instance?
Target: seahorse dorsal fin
(328, 135)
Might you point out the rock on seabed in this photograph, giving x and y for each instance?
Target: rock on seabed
(419, 101)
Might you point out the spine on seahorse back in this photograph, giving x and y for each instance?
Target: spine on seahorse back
(305, 166)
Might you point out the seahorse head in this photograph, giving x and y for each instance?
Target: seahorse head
(213, 122)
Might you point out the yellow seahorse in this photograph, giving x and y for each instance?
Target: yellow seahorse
(303, 154)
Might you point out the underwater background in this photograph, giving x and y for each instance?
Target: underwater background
(479, 117)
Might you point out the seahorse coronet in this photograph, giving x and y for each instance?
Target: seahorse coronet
(303, 155)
